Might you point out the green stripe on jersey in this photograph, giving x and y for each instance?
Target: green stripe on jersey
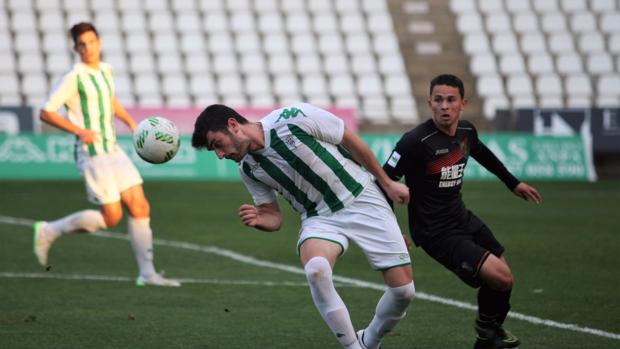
(107, 82)
(84, 105)
(306, 172)
(274, 172)
(349, 182)
(102, 122)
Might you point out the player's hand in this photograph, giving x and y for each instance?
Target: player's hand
(527, 193)
(398, 192)
(88, 136)
(248, 215)
(407, 241)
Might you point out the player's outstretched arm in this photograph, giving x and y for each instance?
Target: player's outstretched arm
(265, 217)
(360, 151)
(527, 192)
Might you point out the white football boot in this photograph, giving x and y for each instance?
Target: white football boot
(41, 243)
(156, 280)
(360, 337)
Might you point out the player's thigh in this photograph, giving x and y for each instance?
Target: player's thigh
(136, 202)
(317, 247)
(461, 255)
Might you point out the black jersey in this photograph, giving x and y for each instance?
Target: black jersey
(433, 164)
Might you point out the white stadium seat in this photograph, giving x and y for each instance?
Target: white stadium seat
(592, 42)
(578, 85)
(169, 64)
(541, 63)
(369, 86)
(553, 22)
(280, 64)
(336, 64)
(270, 22)
(476, 44)
(314, 85)
(526, 22)
(490, 86)
(512, 64)
(470, 23)
(497, 23)
(366, 63)
(342, 85)
(609, 85)
(253, 63)
(519, 86)
(610, 22)
(482, 64)
(23, 21)
(549, 86)
(583, 22)
(197, 63)
(533, 43)
(599, 63)
(569, 63)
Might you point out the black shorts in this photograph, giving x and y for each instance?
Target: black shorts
(464, 251)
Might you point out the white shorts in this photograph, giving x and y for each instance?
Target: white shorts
(108, 175)
(369, 222)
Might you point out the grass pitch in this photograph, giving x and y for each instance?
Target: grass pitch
(244, 289)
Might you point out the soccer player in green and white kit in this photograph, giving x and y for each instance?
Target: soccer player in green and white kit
(308, 156)
(87, 91)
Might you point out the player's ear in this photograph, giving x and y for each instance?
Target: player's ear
(464, 103)
(233, 125)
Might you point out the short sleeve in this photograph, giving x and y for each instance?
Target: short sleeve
(261, 193)
(401, 158)
(62, 91)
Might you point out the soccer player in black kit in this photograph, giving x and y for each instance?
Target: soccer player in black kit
(432, 158)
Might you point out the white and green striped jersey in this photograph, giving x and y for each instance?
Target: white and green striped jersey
(304, 162)
(87, 95)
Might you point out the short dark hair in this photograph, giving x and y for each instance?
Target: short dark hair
(214, 118)
(81, 28)
(449, 80)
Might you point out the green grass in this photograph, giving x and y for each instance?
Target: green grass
(565, 255)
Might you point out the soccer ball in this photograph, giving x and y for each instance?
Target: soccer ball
(156, 139)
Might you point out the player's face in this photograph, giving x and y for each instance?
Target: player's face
(226, 145)
(88, 47)
(447, 105)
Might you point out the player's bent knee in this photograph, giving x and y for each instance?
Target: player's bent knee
(406, 292)
(502, 282)
(111, 219)
(140, 209)
(317, 269)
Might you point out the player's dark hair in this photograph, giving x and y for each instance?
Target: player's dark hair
(81, 28)
(449, 80)
(214, 118)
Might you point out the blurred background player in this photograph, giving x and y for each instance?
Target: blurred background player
(432, 157)
(304, 153)
(87, 91)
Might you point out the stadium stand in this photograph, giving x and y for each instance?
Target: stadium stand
(375, 56)
(551, 53)
(260, 53)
